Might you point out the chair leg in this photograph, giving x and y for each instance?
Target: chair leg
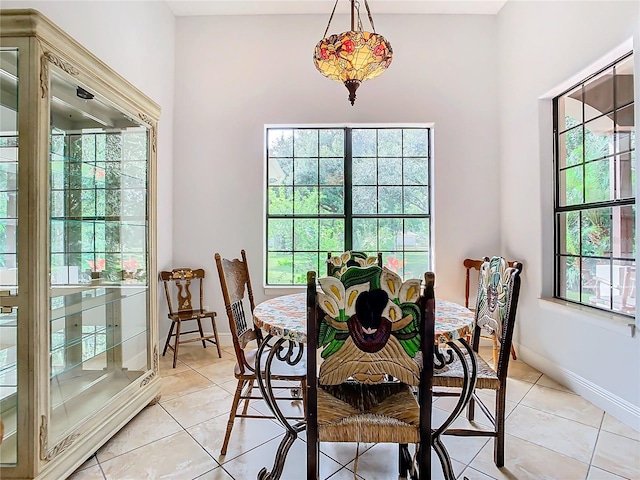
(403, 467)
(215, 334)
(166, 344)
(496, 351)
(232, 416)
(513, 353)
(176, 344)
(204, 344)
(498, 446)
(303, 386)
(246, 400)
(471, 409)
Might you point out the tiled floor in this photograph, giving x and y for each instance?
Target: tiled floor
(551, 434)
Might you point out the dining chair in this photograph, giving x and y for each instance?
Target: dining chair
(498, 292)
(470, 264)
(369, 326)
(337, 264)
(177, 286)
(237, 293)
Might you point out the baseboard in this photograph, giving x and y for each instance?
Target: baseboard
(626, 412)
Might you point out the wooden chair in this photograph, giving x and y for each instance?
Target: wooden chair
(352, 258)
(177, 284)
(498, 292)
(238, 296)
(365, 335)
(476, 264)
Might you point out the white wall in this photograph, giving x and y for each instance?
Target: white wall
(542, 45)
(137, 40)
(236, 74)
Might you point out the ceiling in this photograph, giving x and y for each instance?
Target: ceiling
(266, 7)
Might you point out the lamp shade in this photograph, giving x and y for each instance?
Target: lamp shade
(352, 57)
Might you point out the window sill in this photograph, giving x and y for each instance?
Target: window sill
(609, 321)
(278, 291)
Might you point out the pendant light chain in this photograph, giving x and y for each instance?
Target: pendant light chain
(356, 3)
(330, 18)
(373, 27)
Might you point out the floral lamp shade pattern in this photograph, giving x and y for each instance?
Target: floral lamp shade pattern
(494, 291)
(371, 327)
(352, 57)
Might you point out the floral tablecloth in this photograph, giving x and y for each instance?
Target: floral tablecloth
(286, 317)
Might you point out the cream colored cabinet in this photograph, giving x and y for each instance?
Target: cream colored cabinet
(78, 309)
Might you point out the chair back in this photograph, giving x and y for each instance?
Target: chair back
(239, 304)
(369, 327)
(338, 264)
(496, 304)
(473, 264)
(177, 288)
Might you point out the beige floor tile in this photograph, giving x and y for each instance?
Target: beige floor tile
(566, 405)
(617, 454)
(564, 436)
(489, 399)
(343, 453)
(248, 465)
(473, 474)
(215, 474)
(381, 462)
(197, 407)
(151, 424)
(183, 384)
(344, 474)
(516, 389)
(521, 371)
(230, 386)
(166, 365)
(464, 449)
(91, 462)
(219, 372)
(527, 461)
(176, 457)
(613, 425)
(290, 408)
(246, 434)
(547, 381)
(196, 357)
(91, 473)
(598, 474)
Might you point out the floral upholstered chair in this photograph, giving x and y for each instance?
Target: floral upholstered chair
(338, 264)
(498, 292)
(369, 327)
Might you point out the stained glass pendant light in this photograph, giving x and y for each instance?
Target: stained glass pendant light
(354, 56)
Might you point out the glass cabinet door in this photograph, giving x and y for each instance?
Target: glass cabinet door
(8, 254)
(99, 295)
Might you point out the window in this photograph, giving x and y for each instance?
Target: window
(595, 205)
(337, 189)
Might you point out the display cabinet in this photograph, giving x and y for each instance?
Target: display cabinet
(78, 309)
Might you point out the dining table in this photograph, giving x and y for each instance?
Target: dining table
(283, 320)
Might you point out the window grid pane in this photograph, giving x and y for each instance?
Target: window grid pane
(308, 171)
(595, 191)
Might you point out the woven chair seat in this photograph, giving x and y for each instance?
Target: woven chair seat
(451, 375)
(351, 412)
